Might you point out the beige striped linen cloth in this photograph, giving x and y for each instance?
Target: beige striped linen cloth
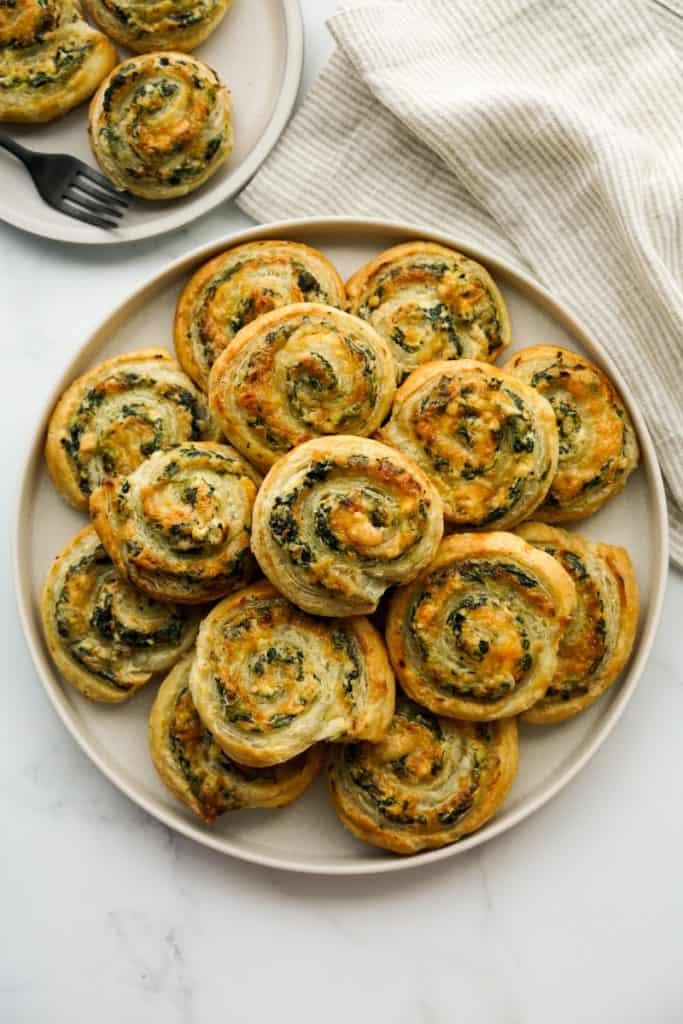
(554, 123)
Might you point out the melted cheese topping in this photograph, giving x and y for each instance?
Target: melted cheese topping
(108, 638)
(115, 416)
(489, 443)
(269, 680)
(180, 525)
(430, 302)
(597, 443)
(145, 25)
(50, 59)
(239, 286)
(300, 372)
(160, 125)
(428, 782)
(339, 520)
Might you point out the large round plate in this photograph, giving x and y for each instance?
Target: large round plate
(258, 52)
(307, 836)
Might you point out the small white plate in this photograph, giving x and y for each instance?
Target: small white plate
(258, 52)
(307, 836)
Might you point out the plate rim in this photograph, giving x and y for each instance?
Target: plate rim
(20, 542)
(176, 218)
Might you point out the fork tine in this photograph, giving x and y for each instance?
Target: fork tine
(99, 179)
(67, 206)
(91, 204)
(97, 192)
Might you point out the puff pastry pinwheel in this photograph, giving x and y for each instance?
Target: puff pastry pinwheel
(117, 414)
(598, 640)
(429, 782)
(144, 25)
(50, 59)
(161, 125)
(232, 289)
(598, 446)
(299, 372)
(430, 302)
(178, 527)
(487, 441)
(340, 519)
(270, 681)
(476, 635)
(200, 774)
(106, 638)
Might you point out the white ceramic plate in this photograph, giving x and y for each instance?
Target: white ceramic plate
(307, 836)
(258, 52)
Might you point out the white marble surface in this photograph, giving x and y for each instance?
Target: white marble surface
(576, 914)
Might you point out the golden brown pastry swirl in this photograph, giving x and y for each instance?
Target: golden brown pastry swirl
(270, 681)
(429, 782)
(116, 415)
(598, 445)
(598, 640)
(430, 302)
(200, 774)
(179, 526)
(144, 25)
(302, 371)
(340, 519)
(160, 125)
(487, 440)
(476, 635)
(50, 59)
(106, 638)
(238, 286)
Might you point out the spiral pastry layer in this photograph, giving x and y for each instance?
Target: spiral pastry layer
(240, 285)
(179, 526)
(144, 25)
(486, 440)
(160, 125)
(106, 638)
(297, 373)
(598, 446)
(340, 519)
(50, 59)
(200, 774)
(429, 782)
(476, 635)
(430, 302)
(269, 681)
(113, 417)
(598, 640)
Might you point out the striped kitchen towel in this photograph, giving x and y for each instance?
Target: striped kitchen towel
(549, 131)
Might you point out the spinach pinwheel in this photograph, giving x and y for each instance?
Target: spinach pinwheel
(50, 59)
(597, 642)
(429, 782)
(161, 125)
(430, 302)
(485, 439)
(598, 445)
(238, 286)
(340, 519)
(476, 635)
(196, 770)
(116, 415)
(107, 638)
(144, 25)
(270, 681)
(300, 372)
(179, 526)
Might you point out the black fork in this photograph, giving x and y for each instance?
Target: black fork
(71, 186)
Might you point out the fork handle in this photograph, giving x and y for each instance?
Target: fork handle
(7, 142)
